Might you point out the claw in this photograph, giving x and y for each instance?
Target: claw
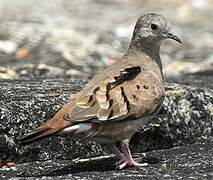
(132, 163)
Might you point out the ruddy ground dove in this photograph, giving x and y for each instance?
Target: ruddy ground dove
(120, 99)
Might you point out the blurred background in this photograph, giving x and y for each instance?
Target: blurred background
(61, 38)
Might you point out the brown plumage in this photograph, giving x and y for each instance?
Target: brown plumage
(120, 99)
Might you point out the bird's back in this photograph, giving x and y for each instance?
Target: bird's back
(131, 87)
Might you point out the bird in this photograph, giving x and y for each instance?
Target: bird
(120, 99)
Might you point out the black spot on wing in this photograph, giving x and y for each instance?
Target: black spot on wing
(145, 87)
(96, 89)
(110, 103)
(111, 114)
(125, 98)
(90, 98)
(127, 74)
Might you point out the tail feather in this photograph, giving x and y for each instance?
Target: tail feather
(37, 134)
(32, 134)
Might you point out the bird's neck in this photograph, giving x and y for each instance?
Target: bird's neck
(147, 47)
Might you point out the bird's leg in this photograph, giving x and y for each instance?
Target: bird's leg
(112, 148)
(128, 157)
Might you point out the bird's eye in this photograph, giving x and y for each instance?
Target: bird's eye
(154, 26)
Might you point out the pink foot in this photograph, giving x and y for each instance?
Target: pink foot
(132, 163)
(128, 160)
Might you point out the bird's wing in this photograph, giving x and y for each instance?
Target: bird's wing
(129, 92)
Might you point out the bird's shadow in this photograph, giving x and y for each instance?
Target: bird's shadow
(99, 165)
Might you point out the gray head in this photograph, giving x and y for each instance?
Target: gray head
(152, 29)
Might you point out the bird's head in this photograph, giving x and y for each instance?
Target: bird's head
(153, 28)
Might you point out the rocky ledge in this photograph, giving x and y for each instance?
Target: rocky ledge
(183, 162)
(186, 118)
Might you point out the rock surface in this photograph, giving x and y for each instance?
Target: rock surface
(185, 118)
(184, 162)
(198, 79)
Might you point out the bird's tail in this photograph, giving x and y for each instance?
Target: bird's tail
(37, 134)
(51, 127)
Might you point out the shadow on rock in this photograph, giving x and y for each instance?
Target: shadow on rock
(63, 167)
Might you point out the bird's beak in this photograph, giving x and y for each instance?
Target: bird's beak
(173, 36)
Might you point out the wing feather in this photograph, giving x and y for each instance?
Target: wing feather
(114, 98)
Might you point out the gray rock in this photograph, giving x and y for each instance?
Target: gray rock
(185, 118)
(184, 162)
(198, 79)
